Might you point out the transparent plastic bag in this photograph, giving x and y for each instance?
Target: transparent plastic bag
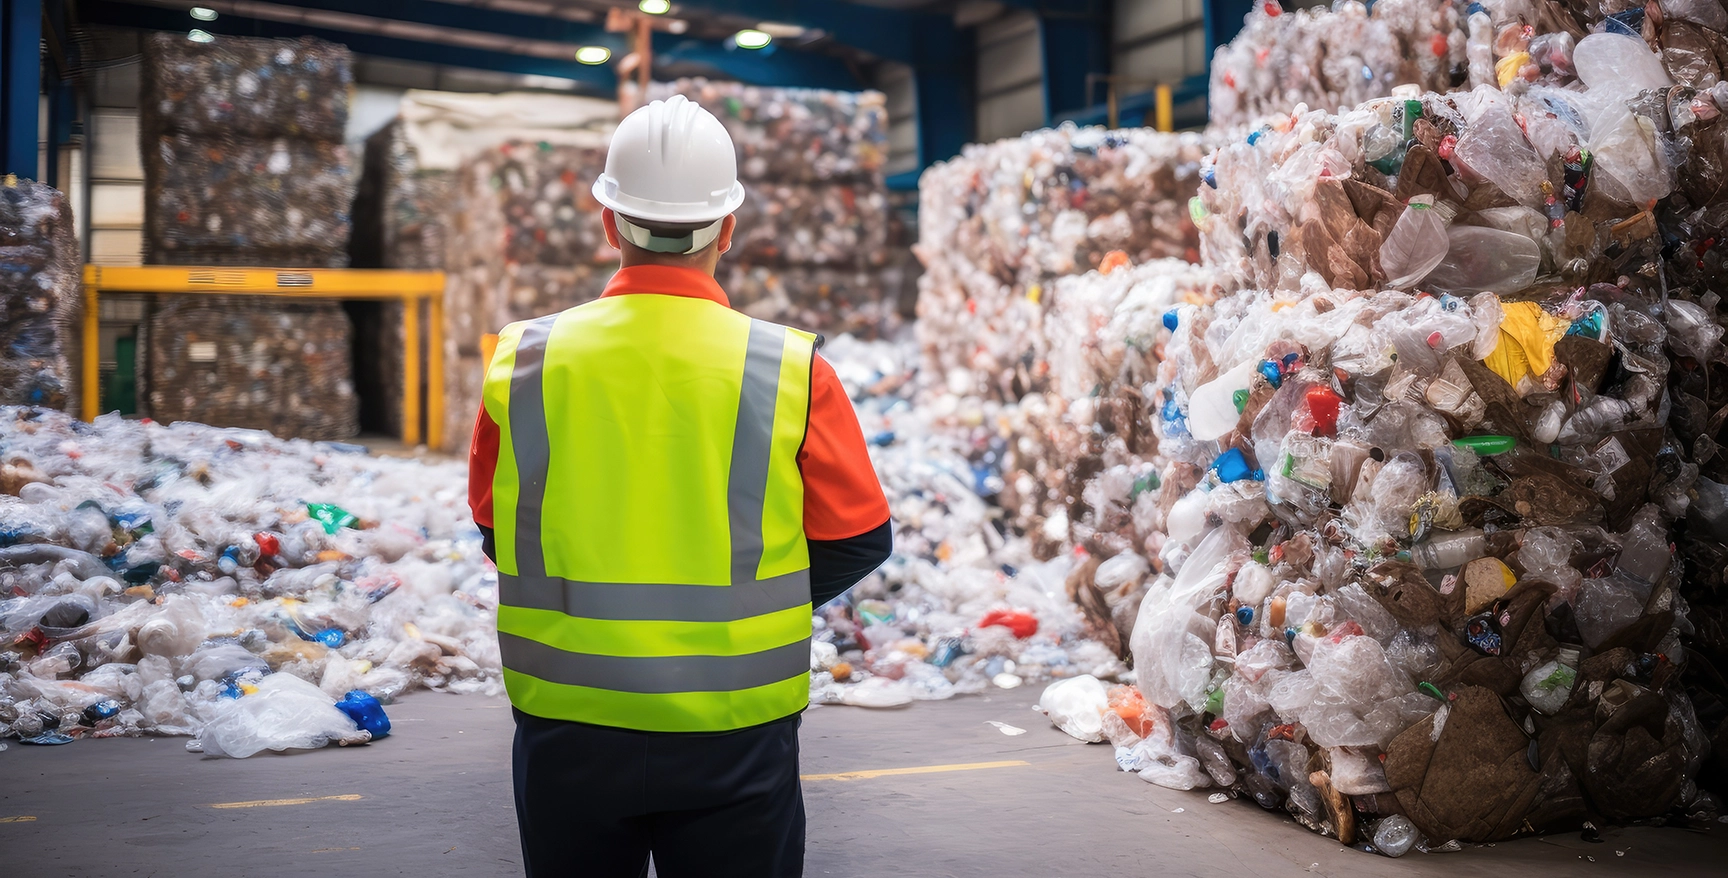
(1076, 706)
(286, 713)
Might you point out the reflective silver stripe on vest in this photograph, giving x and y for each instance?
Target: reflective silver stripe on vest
(752, 438)
(655, 675)
(654, 602)
(528, 439)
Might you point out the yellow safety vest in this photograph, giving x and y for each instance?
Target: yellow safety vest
(649, 515)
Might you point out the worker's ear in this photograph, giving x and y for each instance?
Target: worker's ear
(726, 227)
(609, 221)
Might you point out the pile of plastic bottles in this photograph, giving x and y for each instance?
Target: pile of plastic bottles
(178, 580)
(1333, 59)
(962, 606)
(1002, 222)
(1435, 515)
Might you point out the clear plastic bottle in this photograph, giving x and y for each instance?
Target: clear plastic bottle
(1483, 259)
(1416, 243)
(1395, 835)
(1447, 550)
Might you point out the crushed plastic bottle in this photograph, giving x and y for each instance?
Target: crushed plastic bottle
(1417, 243)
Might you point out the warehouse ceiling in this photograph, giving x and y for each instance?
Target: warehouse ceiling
(817, 43)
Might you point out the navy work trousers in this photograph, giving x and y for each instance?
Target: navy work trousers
(594, 802)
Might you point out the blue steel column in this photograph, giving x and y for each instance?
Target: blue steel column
(1075, 42)
(944, 76)
(20, 94)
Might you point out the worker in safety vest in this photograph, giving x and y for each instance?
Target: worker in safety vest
(667, 487)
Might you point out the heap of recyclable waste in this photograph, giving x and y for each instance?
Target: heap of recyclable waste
(253, 592)
(999, 224)
(1439, 511)
(1335, 58)
(962, 605)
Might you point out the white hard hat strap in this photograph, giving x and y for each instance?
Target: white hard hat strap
(682, 242)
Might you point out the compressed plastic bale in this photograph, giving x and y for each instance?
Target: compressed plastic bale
(816, 299)
(792, 135)
(1331, 58)
(266, 365)
(535, 199)
(247, 87)
(39, 296)
(997, 227)
(286, 713)
(228, 194)
(1076, 706)
(835, 225)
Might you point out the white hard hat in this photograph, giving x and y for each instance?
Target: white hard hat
(671, 162)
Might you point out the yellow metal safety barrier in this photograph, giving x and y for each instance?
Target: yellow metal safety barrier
(411, 287)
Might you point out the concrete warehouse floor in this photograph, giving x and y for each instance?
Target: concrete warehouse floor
(434, 800)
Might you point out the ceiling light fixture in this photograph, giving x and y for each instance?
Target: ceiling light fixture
(593, 55)
(655, 7)
(203, 13)
(200, 36)
(750, 38)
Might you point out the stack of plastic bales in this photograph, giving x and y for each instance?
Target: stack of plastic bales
(39, 296)
(401, 213)
(244, 165)
(812, 243)
(524, 240)
(156, 579)
(1439, 519)
(1000, 223)
(243, 156)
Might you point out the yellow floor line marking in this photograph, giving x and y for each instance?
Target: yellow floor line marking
(922, 769)
(24, 819)
(271, 803)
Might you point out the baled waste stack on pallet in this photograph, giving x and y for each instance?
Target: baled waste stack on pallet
(1425, 590)
(525, 240)
(40, 299)
(244, 164)
(235, 589)
(406, 192)
(998, 225)
(243, 156)
(812, 247)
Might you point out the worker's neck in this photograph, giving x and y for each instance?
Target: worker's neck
(705, 263)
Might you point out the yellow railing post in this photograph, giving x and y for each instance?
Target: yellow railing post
(435, 370)
(90, 388)
(1164, 112)
(411, 372)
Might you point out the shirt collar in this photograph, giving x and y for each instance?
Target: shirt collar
(665, 280)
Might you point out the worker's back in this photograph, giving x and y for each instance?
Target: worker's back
(651, 551)
(667, 487)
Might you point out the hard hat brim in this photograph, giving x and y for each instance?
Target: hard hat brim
(607, 192)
